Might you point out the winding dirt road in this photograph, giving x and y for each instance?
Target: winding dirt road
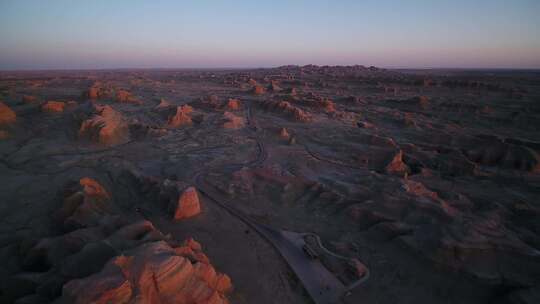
(320, 283)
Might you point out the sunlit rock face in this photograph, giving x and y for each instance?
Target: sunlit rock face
(103, 256)
(232, 121)
(151, 273)
(233, 104)
(53, 106)
(106, 126)
(188, 204)
(7, 115)
(181, 118)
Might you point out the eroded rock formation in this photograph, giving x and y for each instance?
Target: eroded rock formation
(7, 115)
(181, 118)
(106, 126)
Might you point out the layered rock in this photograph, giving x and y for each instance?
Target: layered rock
(286, 108)
(181, 118)
(106, 126)
(110, 258)
(151, 273)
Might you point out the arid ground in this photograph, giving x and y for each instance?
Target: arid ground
(287, 185)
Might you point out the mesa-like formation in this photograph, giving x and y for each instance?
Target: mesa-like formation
(297, 184)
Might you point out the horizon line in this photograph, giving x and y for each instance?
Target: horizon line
(270, 67)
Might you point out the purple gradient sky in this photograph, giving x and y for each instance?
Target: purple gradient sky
(174, 34)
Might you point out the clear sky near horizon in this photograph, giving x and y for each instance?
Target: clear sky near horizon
(70, 34)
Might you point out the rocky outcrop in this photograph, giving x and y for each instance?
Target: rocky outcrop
(84, 205)
(151, 273)
(188, 204)
(286, 108)
(53, 106)
(258, 90)
(124, 96)
(232, 121)
(396, 165)
(233, 104)
(97, 91)
(110, 258)
(163, 104)
(283, 133)
(181, 118)
(106, 127)
(493, 151)
(7, 115)
(274, 87)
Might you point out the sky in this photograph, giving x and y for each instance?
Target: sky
(98, 34)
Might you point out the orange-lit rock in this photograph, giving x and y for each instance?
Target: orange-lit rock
(124, 96)
(285, 107)
(93, 93)
(258, 90)
(84, 205)
(274, 87)
(328, 106)
(232, 121)
(7, 115)
(92, 188)
(163, 104)
(233, 104)
(192, 250)
(397, 165)
(97, 91)
(53, 106)
(107, 127)
(188, 204)
(283, 133)
(151, 273)
(181, 118)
